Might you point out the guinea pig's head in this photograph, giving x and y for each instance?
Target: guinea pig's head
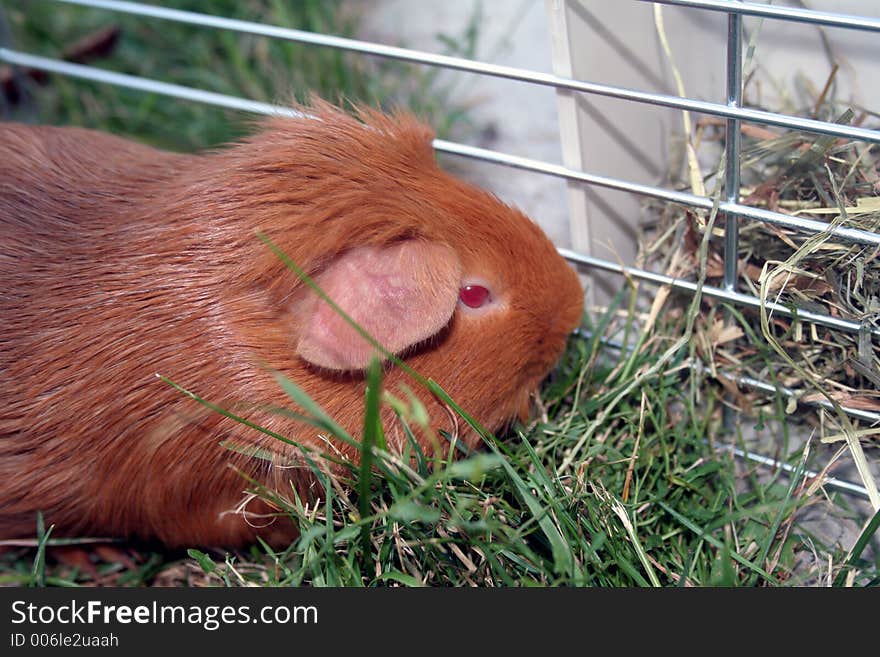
(469, 291)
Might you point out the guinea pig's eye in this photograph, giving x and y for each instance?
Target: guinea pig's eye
(474, 296)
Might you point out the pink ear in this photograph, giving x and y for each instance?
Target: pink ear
(400, 294)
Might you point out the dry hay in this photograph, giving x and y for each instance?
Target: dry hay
(819, 177)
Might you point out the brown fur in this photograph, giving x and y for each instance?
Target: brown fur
(119, 261)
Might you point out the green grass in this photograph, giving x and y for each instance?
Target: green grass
(644, 501)
(223, 61)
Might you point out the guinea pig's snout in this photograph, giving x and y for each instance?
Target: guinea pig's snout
(555, 338)
(573, 307)
(561, 319)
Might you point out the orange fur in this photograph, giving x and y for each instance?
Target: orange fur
(118, 261)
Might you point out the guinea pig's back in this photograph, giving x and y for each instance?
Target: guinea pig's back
(75, 212)
(59, 184)
(79, 236)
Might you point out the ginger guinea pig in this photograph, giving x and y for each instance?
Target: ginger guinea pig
(119, 261)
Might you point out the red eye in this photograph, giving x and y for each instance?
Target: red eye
(474, 296)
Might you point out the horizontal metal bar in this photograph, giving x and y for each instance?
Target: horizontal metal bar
(763, 386)
(746, 381)
(471, 66)
(834, 482)
(798, 14)
(800, 224)
(142, 84)
(714, 292)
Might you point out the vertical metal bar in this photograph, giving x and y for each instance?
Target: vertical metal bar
(733, 142)
(732, 168)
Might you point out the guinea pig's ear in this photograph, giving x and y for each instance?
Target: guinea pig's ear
(400, 294)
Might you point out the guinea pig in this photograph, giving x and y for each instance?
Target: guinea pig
(119, 261)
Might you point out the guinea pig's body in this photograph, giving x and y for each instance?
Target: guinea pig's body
(119, 261)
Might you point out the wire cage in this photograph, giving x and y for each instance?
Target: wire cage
(733, 113)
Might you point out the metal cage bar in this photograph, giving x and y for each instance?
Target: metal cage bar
(751, 382)
(714, 292)
(799, 224)
(797, 14)
(141, 84)
(733, 143)
(242, 104)
(467, 65)
(833, 482)
(732, 170)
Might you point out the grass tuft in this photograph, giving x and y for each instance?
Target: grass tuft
(258, 68)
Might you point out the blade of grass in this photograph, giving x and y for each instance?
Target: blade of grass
(562, 557)
(784, 506)
(714, 542)
(372, 435)
(870, 529)
(400, 578)
(38, 572)
(305, 402)
(627, 522)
